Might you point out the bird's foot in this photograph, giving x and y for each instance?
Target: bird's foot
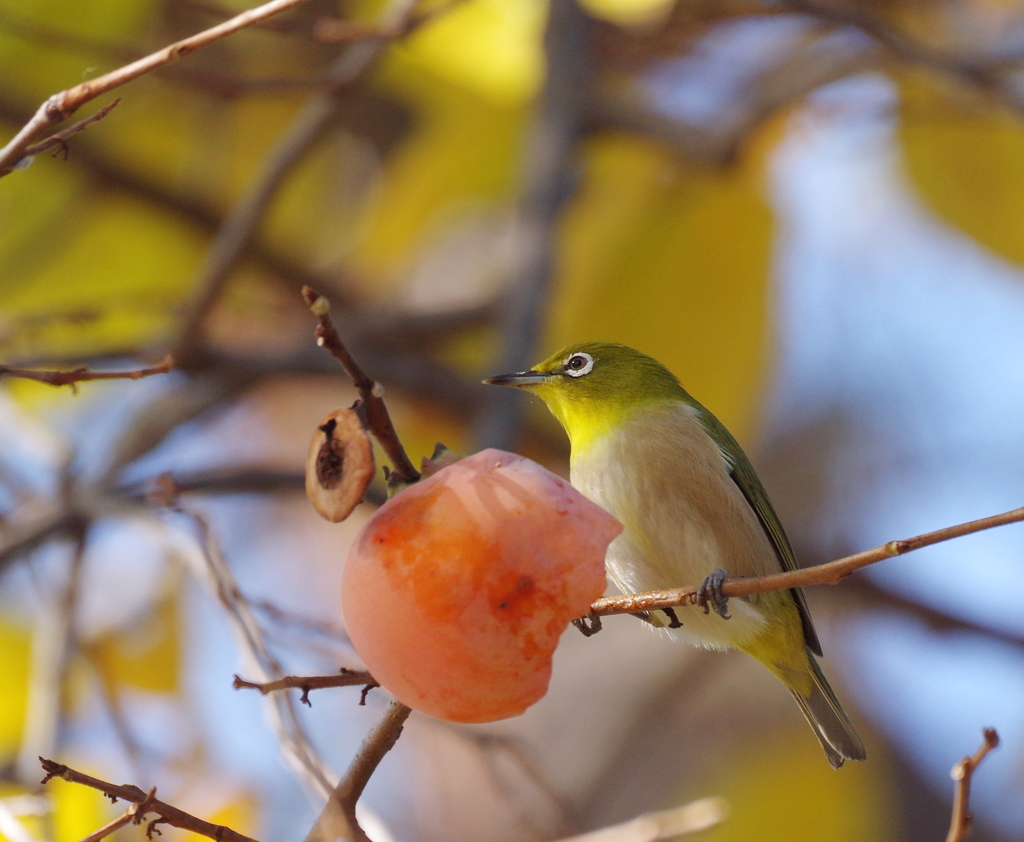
(709, 594)
(588, 625)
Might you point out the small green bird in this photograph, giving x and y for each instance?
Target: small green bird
(691, 505)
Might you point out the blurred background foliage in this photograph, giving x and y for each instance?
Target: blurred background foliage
(809, 209)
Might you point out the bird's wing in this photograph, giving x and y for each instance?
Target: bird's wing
(746, 479)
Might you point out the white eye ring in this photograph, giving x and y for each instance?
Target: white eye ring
(575, 360)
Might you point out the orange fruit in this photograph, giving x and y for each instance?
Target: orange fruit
(457, 589)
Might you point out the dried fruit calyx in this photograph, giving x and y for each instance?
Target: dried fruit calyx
(339, 466)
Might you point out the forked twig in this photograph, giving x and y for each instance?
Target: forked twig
(962, 820)
(146, 802)
(62, 105)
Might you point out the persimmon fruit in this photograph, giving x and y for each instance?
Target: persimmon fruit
(457, 590)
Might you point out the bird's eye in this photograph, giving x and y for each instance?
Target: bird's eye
(579, 364)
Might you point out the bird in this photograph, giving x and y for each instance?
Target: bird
(692, 508)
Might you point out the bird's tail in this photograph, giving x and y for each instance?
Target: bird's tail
(826, 716)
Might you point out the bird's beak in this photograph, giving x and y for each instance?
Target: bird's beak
(522, 380)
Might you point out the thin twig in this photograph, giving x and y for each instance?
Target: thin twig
(62, 105)
(372, 394)
(305, 683)
(148, 803)
(337, 822)
(960, 824)
(663, 824)
(61, 137)
(830, 573)
(81, 374)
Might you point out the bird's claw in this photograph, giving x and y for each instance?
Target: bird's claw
(709, 594)
(589, 624)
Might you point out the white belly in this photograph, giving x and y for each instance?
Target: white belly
(669, 485)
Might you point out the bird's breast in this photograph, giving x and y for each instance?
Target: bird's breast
(666, 480)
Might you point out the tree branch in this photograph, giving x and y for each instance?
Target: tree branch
(81, 374)
(346, 678)
(830, 573)
(146, 802)
(960, 824)
(371, 393)
(337, 822)
(62, 105)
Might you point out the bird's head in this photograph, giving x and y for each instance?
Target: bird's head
(591, 387)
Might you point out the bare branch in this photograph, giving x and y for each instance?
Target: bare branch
(371, 393)
(345, 678)
(62, 105)
(146, 802)
(337, 822)
(81, 374)
(960, 824)
(305, 131)
(823, 574)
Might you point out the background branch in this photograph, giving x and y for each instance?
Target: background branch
(82, 374)
(662, 825)
(306, 129)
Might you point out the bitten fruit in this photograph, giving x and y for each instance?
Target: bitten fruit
(457, 589)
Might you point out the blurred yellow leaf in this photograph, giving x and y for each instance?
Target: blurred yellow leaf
(119, 262)
(965, 155)
(673, 260)
(15, 648)
(462, 157)
(783, 790)
(628, 11)
(147, 655)
(491, 48)
(77, 810)
(239, 814)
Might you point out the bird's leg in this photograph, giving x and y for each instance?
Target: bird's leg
(673, 621)
(588, 625)
(710, 594)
